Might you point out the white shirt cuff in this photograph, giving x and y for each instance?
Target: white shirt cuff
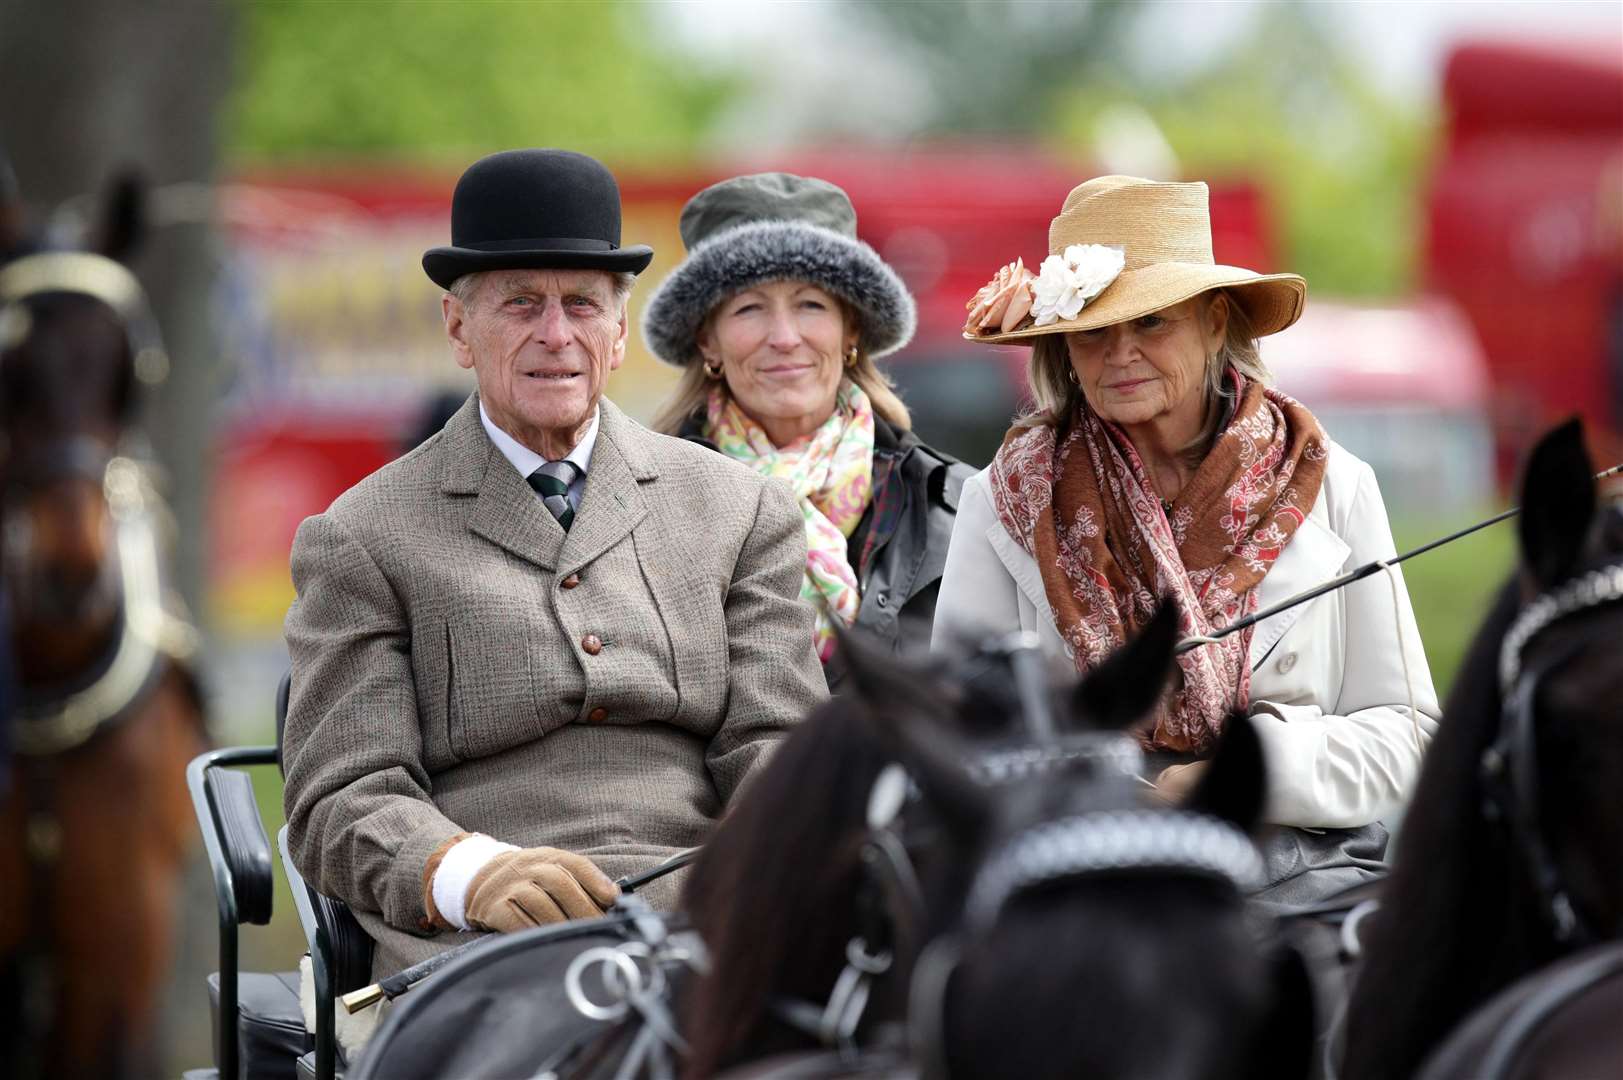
(456, 872)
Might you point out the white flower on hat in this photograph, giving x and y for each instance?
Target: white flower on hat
(1066, 282)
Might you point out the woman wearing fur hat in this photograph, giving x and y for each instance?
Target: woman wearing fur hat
(1159, 462)
(776, 317)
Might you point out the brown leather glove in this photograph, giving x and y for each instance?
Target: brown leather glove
(518, 890)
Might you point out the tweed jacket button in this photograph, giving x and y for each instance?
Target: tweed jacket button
(569, 582)
(1287, 663)
(598, 715)
(592, 644)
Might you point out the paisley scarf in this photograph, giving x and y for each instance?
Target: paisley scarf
(831, 473)
(1084, 508)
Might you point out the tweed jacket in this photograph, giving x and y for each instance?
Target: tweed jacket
(461, 663)
(1330, 679)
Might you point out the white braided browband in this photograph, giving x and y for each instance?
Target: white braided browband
(1120, 753)
(1109, 841)
(74, 272)
(1597, 587)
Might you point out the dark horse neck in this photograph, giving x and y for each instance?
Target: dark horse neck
(1459, 919)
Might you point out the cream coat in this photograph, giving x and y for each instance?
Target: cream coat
(1328, 688)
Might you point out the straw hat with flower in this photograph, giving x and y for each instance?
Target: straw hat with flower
(1120, 248)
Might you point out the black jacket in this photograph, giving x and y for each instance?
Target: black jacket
(901, 576)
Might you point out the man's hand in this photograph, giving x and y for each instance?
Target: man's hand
(518, 890)
(1175, 782)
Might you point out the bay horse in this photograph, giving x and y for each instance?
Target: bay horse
(105, 713)
(1018, 957)
(1512, 850)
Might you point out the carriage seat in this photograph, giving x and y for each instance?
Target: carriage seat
(269, 1036)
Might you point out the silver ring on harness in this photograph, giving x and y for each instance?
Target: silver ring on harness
(621, 975)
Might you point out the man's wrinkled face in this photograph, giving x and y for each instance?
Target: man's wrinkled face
(541, 344)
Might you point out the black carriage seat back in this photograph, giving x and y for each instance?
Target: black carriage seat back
(257, 1025)
(283, 689)
(243, 843)
(329, 926)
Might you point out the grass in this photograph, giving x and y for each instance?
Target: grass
(1452, 586)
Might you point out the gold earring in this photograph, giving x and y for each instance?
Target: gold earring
(851, 357)
(1070, 373)
(712, 370)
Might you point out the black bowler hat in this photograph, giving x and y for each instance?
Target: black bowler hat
(534, 209)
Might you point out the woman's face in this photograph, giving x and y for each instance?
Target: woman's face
(1150, 367)
(781, 347)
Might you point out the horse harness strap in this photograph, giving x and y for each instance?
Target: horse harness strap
(1509, 766)
(58, 721)
(1540, 1006)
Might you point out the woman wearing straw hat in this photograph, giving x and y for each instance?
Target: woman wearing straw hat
(776, 317)
(1158, 462)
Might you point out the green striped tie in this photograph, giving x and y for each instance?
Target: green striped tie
(551, 481)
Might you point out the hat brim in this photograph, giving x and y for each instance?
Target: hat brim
(763, 251)
(1271, 301)
(445, 264)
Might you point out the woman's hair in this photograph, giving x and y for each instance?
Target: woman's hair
(693, 389)
(1055, 396)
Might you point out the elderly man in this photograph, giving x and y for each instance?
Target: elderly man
(546, 647)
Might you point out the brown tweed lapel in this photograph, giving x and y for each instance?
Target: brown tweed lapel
(612, 504)
(506, 511)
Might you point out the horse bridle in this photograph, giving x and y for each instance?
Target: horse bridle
(1509, 766)
(68, 716)
(83, 274)
(890, 900)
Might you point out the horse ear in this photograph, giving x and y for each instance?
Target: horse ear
(1127, 685)
(123, 225)
(1236, 781)
(1558, 504)
(910, 716)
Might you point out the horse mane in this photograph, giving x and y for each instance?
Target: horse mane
(1452, 925)
(789, 850)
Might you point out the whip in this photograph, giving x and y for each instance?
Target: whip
(1362, 572)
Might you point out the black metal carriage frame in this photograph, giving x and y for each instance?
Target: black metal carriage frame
(240, 861)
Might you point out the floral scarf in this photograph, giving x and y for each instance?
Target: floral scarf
(831, 472)
(1086, 511)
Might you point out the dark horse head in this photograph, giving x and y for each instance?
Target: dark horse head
(1512, 850)
(1100, 932)
(1145, 970)
(71, 331)
(105, 713)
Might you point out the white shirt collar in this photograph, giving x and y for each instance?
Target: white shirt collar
(525, 460)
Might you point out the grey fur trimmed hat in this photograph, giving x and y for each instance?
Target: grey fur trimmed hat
(774, 227)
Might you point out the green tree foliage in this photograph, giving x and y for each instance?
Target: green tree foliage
(439, 80)
(998, 67)
(1341, 162)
